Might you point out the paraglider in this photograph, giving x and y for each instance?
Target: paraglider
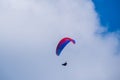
(62, 44)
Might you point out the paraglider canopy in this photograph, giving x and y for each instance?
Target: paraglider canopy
(62, 43)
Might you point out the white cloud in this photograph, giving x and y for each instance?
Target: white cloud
(30, 31)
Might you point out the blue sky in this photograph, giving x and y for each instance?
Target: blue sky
(109, 12)
(31, 29)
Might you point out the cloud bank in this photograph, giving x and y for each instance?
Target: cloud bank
(30, 31)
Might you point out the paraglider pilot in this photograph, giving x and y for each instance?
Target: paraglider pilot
(64, 64)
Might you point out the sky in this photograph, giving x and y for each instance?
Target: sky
(31, 29)
(108, 11)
